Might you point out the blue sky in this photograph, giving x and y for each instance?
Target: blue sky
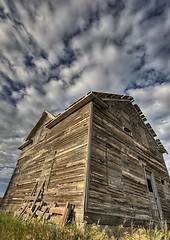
(52, 52)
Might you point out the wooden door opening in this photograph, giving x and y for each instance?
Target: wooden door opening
(153, 197)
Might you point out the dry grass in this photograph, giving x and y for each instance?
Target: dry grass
(12, 228)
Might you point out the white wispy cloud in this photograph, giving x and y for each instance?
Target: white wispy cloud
(5, 172)
(154, 102)
(1, 194)
(53, 52)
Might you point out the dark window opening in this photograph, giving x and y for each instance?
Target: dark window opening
(163, 182)
(149, 185)
(127, 130)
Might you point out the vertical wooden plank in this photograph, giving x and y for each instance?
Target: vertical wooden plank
(88, 161)
(156, 196)
(38, 193)
(65, 215)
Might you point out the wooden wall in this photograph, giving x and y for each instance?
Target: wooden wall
(92, 161)
(59, 154)
(118, 190)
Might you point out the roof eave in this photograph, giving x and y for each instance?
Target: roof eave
(80, 103)
(27, 142)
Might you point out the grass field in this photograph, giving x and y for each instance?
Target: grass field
(12, 228)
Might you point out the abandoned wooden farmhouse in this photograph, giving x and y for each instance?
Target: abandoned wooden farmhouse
(99, 155)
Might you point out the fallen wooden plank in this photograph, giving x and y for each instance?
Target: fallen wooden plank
(46, 216)
(57, 210)
(24, 210)
(29, 211)
(38, 194)
(39, 213)
(37, 206)
(44, 208)
(65, 214)
(34, 189)
(29, 198)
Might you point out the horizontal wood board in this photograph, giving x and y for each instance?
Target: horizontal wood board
(118, 184)
(59, 155)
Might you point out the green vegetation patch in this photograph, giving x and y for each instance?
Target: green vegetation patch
(12, 228)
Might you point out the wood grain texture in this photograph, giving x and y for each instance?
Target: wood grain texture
(97, 155)
(118, 184)
(58, 156)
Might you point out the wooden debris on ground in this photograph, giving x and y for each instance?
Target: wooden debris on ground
(35, 207)
(44, 212)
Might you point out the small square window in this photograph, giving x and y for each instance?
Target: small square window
(127, 130)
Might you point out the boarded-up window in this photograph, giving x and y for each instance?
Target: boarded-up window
(155, 204)
(165, 189)
(126, 123)
(114, 170)
(114, 180)
(125, 116)
(40, 134)
(143, 135)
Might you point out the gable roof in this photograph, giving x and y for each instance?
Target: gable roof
(110, 96)
(91, 96)
(101, 99)
(37, 125)
(43, 116)
(118, 97)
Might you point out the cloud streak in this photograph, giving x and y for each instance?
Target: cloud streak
(53, 52)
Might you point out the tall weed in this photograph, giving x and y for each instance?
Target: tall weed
(12, 228)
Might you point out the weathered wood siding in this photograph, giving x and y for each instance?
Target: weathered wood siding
(27, 170)
(59, 155)
(104, 160)
(118, 188)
